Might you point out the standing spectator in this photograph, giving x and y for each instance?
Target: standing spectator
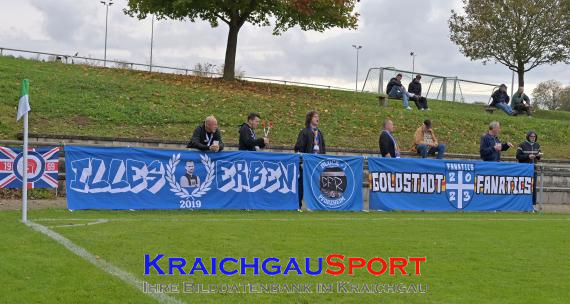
(388, 144)
(395, 89)
(248, 140)
(426, 143)
(500, 100)
(529, 152)
(520, 102)
(415, 87)
(310, 140)
(490, 147)
(207, 137)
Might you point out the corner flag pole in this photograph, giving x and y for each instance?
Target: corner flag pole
(23, 109)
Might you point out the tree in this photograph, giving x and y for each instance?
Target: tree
(547, 94)
(315, 15)
(565, 99)
(520, 34)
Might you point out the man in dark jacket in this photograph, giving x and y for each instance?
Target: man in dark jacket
(207, 137)
(490, 147)
(310, 140)
(529, 152)
(248, 140)
(395, 89)
(388, 144)
(415, 87)
(500, 100)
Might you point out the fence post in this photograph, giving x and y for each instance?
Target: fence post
(444, 89)
(381, 82)
(454, 87)
(541, 187)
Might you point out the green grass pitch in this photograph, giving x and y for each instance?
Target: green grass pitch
(471, 257)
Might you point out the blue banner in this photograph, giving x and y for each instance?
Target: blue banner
(43, 166)
(449, 185)
(332, 182)
(133, 178)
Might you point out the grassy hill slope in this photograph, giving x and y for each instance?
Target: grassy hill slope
(83, 100)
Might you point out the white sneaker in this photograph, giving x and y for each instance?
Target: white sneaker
(422, 109)
(408, 108)
(428, 109)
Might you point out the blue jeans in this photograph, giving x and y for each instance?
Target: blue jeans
(424, 150)
(396, 92)
(505, 107)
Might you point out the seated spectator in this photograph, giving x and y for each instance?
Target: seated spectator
(388, 145)
(415, 87)
(520, 102)
(490, 147)
(501, 100)
(395, 89)
(426, 143)
(207, 137)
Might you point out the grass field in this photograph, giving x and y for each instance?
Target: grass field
(83, 100)
(471, 258)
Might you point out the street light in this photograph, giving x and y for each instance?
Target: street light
(357, 48)
(413, 61)
(107, 4)
(151, 42)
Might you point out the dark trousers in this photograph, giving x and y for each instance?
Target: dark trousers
(520, 108)
(420, 101)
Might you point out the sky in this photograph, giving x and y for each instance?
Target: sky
(388, 31)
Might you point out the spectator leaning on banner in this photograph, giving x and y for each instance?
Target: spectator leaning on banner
(529, 152)
(426, 143)
(388, 144)
(415, 87)
(310, 140)
(248, 140)
(207, 137)
(500, 100)
(491, 147)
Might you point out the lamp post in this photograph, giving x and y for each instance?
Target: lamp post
(413, 61)
(151, 42)
(357, 48)
(107, 4)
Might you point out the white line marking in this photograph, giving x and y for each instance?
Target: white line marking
(332, 219)
(96, 221)
(101, 264)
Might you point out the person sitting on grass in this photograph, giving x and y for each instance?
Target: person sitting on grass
(501, 100)
(426, 143)
(520, 102)
(395, 89)
(415, 87)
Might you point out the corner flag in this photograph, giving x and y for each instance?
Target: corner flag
(24, 103)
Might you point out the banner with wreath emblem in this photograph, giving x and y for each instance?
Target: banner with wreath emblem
(136, 178)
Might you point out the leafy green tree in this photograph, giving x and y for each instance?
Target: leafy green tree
(520, 34)
(547, 94)
(316, 15)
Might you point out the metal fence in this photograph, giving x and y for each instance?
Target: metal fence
(75, 59)
(438, 86)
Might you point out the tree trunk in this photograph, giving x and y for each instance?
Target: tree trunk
(231, 48)
(520, 72)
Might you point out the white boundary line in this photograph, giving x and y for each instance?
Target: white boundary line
(332, 219)
(101, 264)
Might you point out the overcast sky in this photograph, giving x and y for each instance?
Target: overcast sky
(388, 32)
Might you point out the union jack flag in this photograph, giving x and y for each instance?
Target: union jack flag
(43, 167)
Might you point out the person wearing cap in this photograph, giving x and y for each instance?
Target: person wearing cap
(395, 89)
(500, 100)
(425, 142)
(529, 152)
(520, 102)
(415, 87)
(490, 147)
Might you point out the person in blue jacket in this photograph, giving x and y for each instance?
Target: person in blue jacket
(491, 147)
